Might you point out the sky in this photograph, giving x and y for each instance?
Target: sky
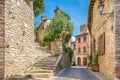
(77, 9)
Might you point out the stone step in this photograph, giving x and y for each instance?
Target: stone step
(42, 64)
(40, 75)
(48, 68)
(40, 71)
(47, 61)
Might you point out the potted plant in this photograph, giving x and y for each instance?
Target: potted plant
(90, 57)
(95, 66)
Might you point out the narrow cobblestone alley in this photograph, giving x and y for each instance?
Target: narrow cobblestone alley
(76, 74)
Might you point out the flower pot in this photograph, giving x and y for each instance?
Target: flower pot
(95, 67)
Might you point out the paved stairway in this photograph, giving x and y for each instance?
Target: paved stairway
(44, 66)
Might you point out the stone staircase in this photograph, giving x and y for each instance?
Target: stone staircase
(44, 66)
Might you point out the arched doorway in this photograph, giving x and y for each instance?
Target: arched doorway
(84, 61)
(79, 61)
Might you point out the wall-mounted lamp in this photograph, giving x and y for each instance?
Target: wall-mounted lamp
(101, 7)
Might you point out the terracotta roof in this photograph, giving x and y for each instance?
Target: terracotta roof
(42, 24)
(81, 34)
(83, 26)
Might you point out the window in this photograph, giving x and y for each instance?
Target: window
(84, 49)
(101, 44)
(84, 39)
(79, 50)
(79, 40)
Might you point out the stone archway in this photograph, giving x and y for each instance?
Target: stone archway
(79, 61)
(84, 61)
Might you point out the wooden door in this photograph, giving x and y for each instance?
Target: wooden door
(84, 61)
(79, 61)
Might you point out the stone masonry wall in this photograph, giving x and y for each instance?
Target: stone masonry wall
(2, 37)
(63, 62)
(117, 37)
(101, 24)
(19, 37)
(56, 47)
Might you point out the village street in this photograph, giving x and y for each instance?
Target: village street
(76, 74)
(59, 39)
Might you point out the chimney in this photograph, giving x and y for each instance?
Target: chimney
(43, 18)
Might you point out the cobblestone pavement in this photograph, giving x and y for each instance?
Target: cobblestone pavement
(76, 74)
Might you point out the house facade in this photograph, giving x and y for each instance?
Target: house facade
(105, 36)
(82, 47)
(55, 47)
(42, 28)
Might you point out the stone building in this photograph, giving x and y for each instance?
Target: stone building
(104, 27)
(82, 47)
(55, 47)
(2, 39)
(42, 28)
(19, 36)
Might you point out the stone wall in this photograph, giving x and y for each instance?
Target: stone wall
(56, 47)
(63, 62)
(19, 37)
(2, 37)
(117, 37)
(101, 24)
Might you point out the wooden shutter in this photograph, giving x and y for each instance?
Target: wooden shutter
(101, 44)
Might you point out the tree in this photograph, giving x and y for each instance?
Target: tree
(60, 24)
(35, 28)
(38, 7)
